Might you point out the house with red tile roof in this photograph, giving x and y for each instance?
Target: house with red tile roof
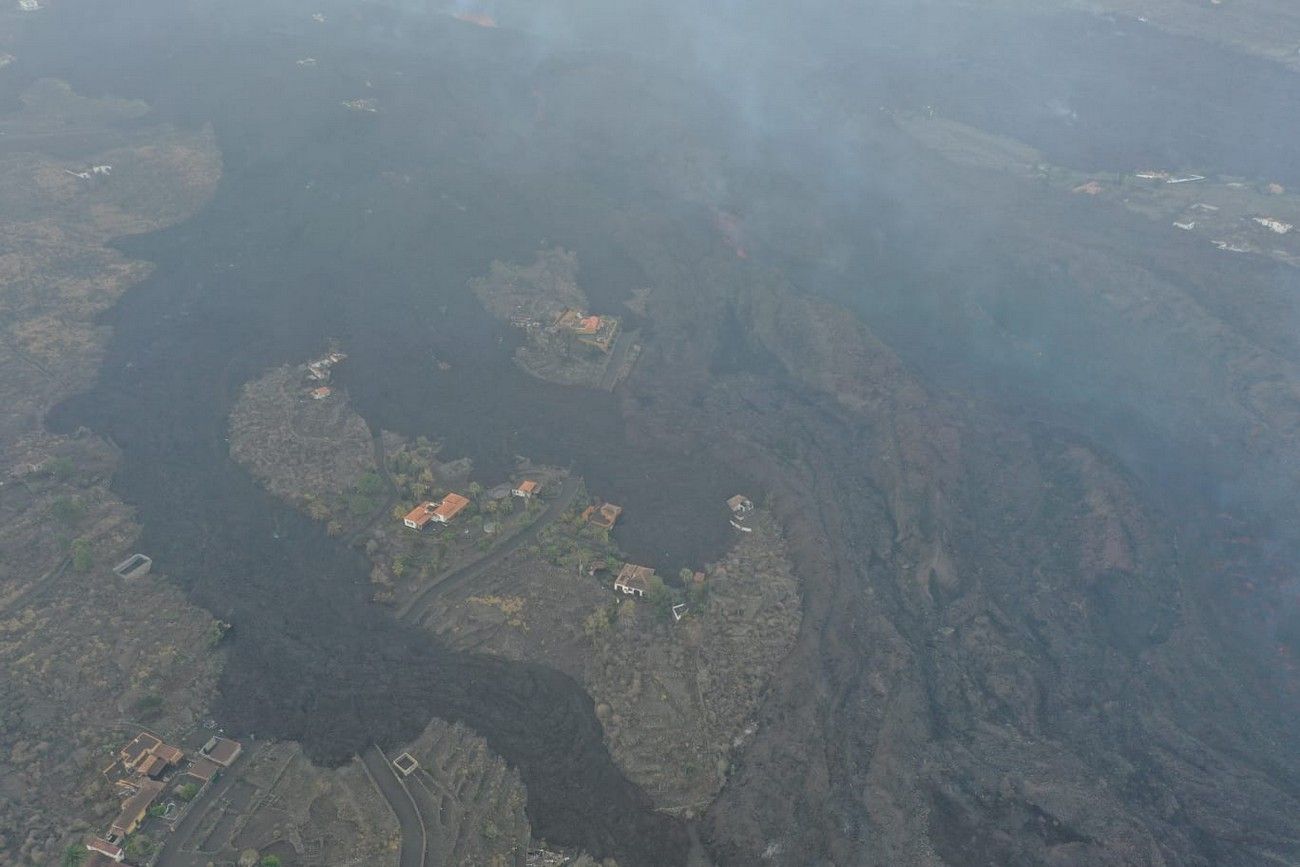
(134, 810)
(111, 851)
(451, 506)
(420, 517)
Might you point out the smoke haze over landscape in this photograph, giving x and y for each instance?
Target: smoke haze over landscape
(990, 309)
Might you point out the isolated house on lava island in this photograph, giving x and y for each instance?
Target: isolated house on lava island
(740, 507)
(634, 580)
(440, 513)
(595, 331)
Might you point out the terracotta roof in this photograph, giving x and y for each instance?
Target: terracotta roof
(170, 754)
(223, 751)
(527, 486)
(140, 746)
(420, 515)
(203, 769)
(634, 577)
(322, 392)
(450, 507)
(153, 766)
(134, 808)
(104, 847)
(588, 325)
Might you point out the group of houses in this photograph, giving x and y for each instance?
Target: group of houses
(142, 771)
(451, 505)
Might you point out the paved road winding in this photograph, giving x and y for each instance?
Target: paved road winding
(409, 820)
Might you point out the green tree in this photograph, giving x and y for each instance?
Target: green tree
(82, 559)
(138, 846)
(660, 598)
(74, 856)
(187, 791)
(697, 594)
(216, 631)
(597, 624)
(317, 509)
(149, 705)
(62, 468)
(68, 510)
(360, 505)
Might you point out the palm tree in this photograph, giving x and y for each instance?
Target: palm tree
(73, 856)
